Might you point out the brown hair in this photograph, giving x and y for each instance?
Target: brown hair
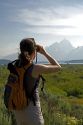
(26, 45)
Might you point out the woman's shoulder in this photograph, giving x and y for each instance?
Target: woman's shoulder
(37, 68)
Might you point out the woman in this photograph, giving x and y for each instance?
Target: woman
(32, 114)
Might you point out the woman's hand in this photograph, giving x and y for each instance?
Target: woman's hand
(52, 61)
(40, 49)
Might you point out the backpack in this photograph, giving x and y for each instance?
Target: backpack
(14, 93)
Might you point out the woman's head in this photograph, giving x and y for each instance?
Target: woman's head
(27, 49)
(27, 45)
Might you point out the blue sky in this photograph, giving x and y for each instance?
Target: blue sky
(48, 21)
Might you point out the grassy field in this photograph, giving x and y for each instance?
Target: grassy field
(62, 102)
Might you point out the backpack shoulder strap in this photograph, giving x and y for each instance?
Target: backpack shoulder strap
(43, 82)
(26, 67)
(11, 67)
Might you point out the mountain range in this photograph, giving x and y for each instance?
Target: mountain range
(62, 51)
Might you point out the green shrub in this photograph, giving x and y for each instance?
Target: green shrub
(63, 102)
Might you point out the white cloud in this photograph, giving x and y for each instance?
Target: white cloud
(45, 16)
(62, 21)
(35, 17)
(66, 26)
(71, 19)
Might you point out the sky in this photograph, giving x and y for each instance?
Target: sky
(48, 21)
